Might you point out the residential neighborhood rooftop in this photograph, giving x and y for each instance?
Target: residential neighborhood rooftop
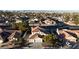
(39, 30)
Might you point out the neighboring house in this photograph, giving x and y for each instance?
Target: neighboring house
(49, 21)
(76, 32)
(61, 18)
(35, 38)
(35, 31)
(67, 36)
(7, 35)
(24, 18)
(14, 36)
(18, 21)
(70, 23)
(33, 21)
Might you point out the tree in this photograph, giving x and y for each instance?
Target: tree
(53, 41)
(67, 18)
(76, 19)
(50, 40)
(20, 26)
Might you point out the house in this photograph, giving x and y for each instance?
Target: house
(35, 32)
(49, 21)
(36, 29)
(35, 38)
(24, 18)
(61, 19)
(18, 21)
(35, 20)
(70, 23)
(14, 35)
(76, 32)
(67, 35)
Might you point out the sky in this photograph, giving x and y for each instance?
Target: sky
(39, 4)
